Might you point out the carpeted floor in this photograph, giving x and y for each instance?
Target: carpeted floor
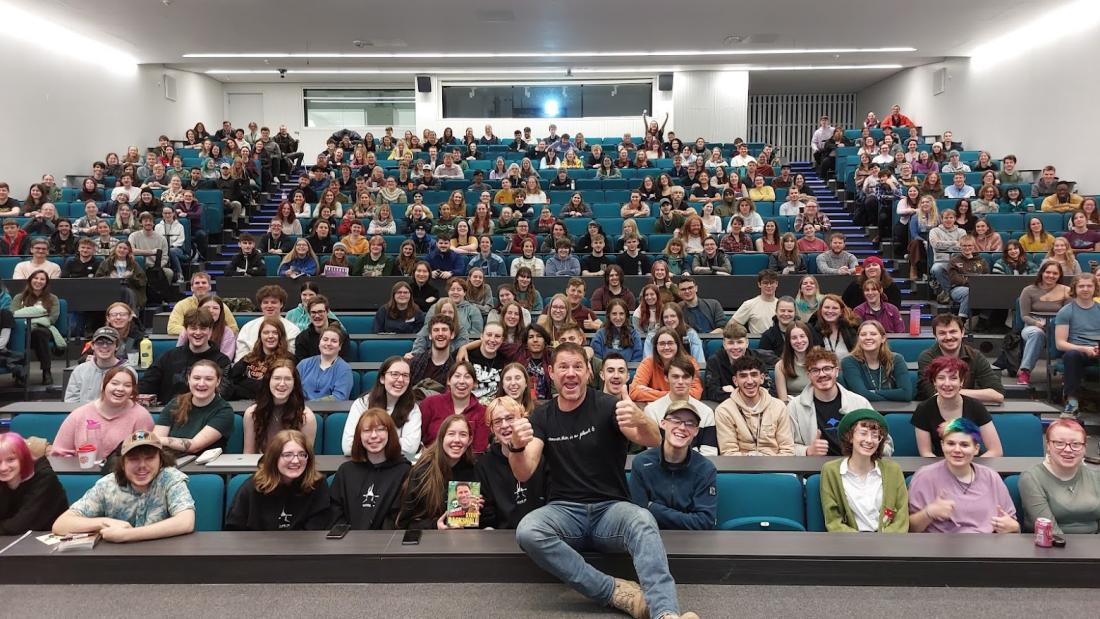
(522, 601)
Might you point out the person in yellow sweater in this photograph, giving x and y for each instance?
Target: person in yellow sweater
(1061, 201)
(862, 492)
(200, 287)
(1036, 240)
(751, 422)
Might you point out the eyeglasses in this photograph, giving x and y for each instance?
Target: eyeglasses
(828, 369)
(689, 424)
(295, 455)
(503, 421)
(320, 312)
(1072, 445)
(103, 343)
(868, 434)
(118, 315)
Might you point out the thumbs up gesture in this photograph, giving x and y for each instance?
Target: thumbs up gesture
(817, 447)
(940, 509)
(1004, 523)
(522, 433)
(628, 414)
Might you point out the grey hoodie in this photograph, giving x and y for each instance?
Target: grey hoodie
(86, 381)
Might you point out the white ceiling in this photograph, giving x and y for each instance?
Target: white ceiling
(162, 31)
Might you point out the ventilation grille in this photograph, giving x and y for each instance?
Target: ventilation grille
(169, 87)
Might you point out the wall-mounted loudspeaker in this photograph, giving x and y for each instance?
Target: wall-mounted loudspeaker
(423, 83)
(664, 82)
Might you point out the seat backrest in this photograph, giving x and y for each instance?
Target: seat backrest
(334, 434)
(761, 502)
(42, 425)
(901, 430)
(815, 516)
(1021, 434)
(208, 491)
(379, 350)
(76, 485)
(235, 444)
(1013, 484)
(232, 487)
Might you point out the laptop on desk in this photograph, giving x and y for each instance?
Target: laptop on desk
(235, 460)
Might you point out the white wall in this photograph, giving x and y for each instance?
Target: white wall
(60, 115)
(711, 104)
(1040, 107)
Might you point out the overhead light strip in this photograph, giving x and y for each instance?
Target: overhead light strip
(559, 54)
(542, 70)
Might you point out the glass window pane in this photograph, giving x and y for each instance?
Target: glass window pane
(330, 108)
(546, 101)
(617, 99)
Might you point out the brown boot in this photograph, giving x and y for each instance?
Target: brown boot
(629, 598)
(687, 615)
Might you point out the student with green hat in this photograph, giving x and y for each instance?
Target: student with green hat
(862, 492)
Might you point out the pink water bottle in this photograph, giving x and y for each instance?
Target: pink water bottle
(91, 434)
(914, 320)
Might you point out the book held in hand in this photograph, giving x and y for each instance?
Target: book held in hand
(335, 271)
(463, 506)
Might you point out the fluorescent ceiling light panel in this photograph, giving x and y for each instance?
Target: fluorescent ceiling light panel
(1042, 29)
(564, 54)
(55, 39)
(541, 70)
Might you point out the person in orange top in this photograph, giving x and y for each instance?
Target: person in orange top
(651, 378)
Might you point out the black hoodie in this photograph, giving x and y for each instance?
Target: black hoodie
(282, 510)
(507, 501)
(367, 495)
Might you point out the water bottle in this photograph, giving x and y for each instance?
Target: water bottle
(914, 320)
(91, 435)
(146, 352)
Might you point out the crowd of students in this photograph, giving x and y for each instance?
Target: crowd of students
(534, 397)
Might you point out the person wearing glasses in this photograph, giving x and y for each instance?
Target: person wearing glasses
(958, 495)
(366, 492)
(816, 413)
(1059, 488)
(507, 500)
(146, 497)
(862, 491)
(673, 482)
(286, 493)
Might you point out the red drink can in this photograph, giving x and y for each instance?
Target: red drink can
(1044, 532)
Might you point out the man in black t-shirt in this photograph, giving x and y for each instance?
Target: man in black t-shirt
(487, 363)
(584, 435)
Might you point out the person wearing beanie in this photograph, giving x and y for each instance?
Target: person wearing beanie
(958, 495)
(862, 492)
(872, 268)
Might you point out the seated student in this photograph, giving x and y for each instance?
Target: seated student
(286, 493)
(873, 370)
(280, 405)
(435, 362)
(459, 396)
(816, 412)
(200, 286)
(326, 376)
(632, 260)
(444, 262)
(299, 261)
(393, 393)
(981, 382)
(271, 299)
(274, 241)
(791, 374)
(86, 381)
(248, 261)
(31, 497)
(375, 263)
(862, 491)
(596, 262)
(711, 261)
(145, 497)
(750, 421)
(126, 323)
(682, 376)
(703, 315)
(448, 458)
(220, 332)
(515, 384)
(1076, 334)
(958, 495)
(582, 315)
(1060, 488)
(562, 262)
(673, 318)
(947, 376)
(84, 263)
(614, 287)
(245, 375)
(556, 318)
(366, 491)
(507, 500)
(835, 323)
(112, 409)
(618, 334)
(469, 321)
(166, 378)
(756, 314)
(400, 314)
(198, 419)
(40, 249)
(320, 317)
(651, 377)
(615, 376)
(718, 381)
(674, 483)
(875, 307)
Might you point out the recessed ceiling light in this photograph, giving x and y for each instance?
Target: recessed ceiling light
(565, 54)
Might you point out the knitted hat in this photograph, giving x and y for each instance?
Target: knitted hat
(873, 260)
(850, 419)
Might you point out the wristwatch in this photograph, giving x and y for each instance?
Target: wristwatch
(514, 450)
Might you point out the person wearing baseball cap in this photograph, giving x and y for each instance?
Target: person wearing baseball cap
(862, 492)
(87, 378)
(146, 497)
(673, 481)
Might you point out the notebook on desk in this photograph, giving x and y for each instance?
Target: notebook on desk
(231, 460)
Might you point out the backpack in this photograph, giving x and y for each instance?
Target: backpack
(1012, 352)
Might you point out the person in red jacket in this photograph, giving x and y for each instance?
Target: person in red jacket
(459, 395)
(14, 241)
(897, 119)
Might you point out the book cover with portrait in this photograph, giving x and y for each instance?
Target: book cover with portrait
(463, 505)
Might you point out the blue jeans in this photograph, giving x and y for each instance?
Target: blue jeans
(940, 274)
(176, 257)
(554, 535)
(961, 295)
(1074, 363)
(1035, 338)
